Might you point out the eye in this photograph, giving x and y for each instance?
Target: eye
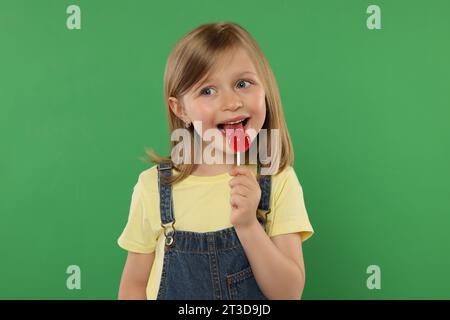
(204, 90)
(240, 81)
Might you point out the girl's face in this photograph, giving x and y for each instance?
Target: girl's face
(233, 90)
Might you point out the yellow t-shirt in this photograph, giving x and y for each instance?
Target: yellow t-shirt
(202, 204)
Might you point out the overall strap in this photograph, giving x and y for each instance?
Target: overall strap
(265, 184)
(165, 193)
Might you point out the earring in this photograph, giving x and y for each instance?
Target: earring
(187, 124)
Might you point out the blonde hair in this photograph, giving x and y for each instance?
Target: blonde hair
(191, 59)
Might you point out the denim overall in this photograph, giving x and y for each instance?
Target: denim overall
(208, 265)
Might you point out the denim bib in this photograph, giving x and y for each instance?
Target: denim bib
(208, 265)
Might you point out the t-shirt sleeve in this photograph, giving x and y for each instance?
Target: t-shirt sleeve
(288, 213)
(138, 235)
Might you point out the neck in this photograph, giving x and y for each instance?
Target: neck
(211, 169)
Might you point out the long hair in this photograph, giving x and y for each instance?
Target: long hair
(192, 59)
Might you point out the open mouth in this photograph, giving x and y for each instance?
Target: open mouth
(236, 124)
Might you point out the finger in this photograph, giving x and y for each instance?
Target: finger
(240, 190)
(242, 180)
(239, 180)
(241, 170)
(237, 201)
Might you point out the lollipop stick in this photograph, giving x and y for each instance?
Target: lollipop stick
(238, 158)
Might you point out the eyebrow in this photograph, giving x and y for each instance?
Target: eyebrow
(235, 75)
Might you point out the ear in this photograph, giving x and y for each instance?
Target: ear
(178, 109)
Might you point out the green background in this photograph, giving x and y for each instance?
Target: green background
(367, 110)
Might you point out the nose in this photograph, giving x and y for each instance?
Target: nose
(232, 101)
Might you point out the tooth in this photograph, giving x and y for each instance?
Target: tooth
(234, 122)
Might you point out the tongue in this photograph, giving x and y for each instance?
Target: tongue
(237, 138)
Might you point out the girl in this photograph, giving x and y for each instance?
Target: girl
(218, 231)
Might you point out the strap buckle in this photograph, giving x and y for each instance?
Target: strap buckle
(261, 213)
(170, 238)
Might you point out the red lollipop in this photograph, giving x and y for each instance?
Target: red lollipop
(237, 138)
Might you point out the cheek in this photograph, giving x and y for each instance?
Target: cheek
(205, 114)
(259, 107)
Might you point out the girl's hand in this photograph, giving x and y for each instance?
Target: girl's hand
(245, 196)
